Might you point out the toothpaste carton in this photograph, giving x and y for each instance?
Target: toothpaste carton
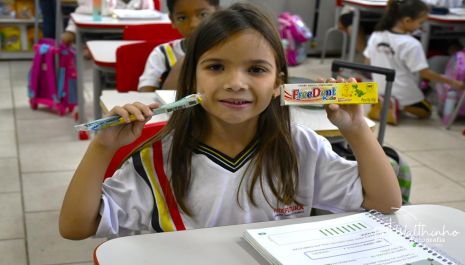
(328, 93)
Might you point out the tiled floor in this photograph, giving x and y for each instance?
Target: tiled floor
(39, 151)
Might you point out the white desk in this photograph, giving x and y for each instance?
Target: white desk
(315, 119)
(112, 98)
(357, 5)
(110, 25)
(440, 20)
(104, 57)
(225, 245)
(104, 51)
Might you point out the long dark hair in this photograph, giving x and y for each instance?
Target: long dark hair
(275, 162)
(397, 10)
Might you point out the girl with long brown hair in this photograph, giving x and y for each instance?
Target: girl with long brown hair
(236, 158)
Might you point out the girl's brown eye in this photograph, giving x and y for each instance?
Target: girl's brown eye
(215, 67)
(258, 70)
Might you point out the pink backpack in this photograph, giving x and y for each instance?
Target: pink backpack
(295, 34)
(455, 70)
(67, 87)
(43, 87)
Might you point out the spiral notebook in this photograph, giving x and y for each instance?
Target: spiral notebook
(364, 238)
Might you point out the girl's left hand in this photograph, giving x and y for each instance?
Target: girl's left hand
(347, 117)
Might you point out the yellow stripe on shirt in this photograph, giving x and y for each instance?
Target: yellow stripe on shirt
(170, 54)
(163, 212)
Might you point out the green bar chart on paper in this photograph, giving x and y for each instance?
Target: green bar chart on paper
(320, 233)
(343, 229)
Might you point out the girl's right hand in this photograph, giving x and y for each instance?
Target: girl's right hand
(117, 136)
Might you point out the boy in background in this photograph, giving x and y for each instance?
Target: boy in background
(165, 61)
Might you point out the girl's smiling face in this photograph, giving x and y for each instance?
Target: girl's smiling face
(238, 79)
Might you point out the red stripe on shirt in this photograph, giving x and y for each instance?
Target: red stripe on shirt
(165, 186)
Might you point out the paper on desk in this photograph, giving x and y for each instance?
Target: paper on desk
(356, 239)
(136, 14)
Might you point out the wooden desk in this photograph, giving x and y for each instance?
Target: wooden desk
(312, 118)
(365, 5)
(109, 25)
(225, 245)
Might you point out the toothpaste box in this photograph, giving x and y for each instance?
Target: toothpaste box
(328, 93)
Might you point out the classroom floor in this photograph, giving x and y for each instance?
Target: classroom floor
(39, 151)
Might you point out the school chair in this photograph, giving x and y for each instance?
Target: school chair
(130, 64)
(123, 153)
(335, 28)
(157, 4)
(163, 32)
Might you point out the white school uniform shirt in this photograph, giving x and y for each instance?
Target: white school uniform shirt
(85, 7)
(157, 64)
(326, 181)
(406, 56)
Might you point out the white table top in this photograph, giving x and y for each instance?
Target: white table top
(225, 245)
(86, 21)
(315, 119)
(367, 3)
(449, 18)
(104, 51)
(456, 15)
(112, 98)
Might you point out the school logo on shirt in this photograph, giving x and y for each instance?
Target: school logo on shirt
(289, 210)
(384, 47)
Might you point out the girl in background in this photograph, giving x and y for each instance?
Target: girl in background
(392, 46)
(164, 62)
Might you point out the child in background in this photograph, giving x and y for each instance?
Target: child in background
(85, 7)
(392, 46)
(366, 26)
(48, 10)
(165, 61)
(235, 158)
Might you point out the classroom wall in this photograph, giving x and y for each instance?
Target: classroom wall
(318, 15)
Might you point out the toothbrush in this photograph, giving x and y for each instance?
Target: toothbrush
(115, 120)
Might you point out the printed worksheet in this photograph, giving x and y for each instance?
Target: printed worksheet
(357, 239)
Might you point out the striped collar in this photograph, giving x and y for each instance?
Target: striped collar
(228, 163)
